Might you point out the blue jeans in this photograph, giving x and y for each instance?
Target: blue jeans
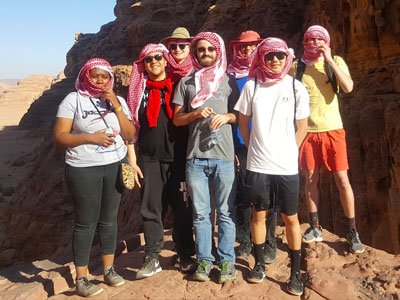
(201, 174)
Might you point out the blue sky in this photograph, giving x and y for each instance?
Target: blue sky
(37, 34)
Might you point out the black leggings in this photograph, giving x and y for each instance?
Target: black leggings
(96, 197)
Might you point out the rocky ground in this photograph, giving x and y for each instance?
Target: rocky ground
(329, 270)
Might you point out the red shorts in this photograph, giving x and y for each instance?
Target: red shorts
(324, 148)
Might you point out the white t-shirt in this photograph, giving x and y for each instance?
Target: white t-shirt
(87, 120)
(272, 148)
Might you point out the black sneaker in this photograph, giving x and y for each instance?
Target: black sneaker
(151, 266)
(354, 242)
(112, 278)
(257, 275)
(204, 268)
(295, 285)
(244, 250)
(185, 263)
(85, 288)
(269, 254)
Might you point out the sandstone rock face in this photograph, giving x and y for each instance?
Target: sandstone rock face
(37, 221)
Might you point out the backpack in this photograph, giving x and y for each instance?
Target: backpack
(301, 67)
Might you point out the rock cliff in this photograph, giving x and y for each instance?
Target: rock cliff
(36, 221)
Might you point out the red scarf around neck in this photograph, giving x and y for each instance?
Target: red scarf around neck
(154, 100)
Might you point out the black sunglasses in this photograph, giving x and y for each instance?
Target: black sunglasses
(149, 59)
(278, 55)
(203, 49)
(174, 46)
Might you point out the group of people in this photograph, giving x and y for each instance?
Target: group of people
(220, 144)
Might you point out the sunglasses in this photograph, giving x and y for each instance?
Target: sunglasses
(278, 55)
(174, 46)
(204, 49)
(149, 59)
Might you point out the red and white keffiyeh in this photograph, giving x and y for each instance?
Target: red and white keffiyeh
(259, 68)
(208, 79)
(178, 70)
(137, 81)
(312, 54)
(85, 85)
(240, 64)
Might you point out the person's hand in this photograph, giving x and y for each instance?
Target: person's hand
(102, 138)
(110, 97)
(218, 120)
(138, 174)
(205, 112)
(326, 52)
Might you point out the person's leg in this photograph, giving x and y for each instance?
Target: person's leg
(182, 223)
(224, 194)
(198, 172)
(108, 223)
(243, 209)
(151, 211)
(84, 186)
(272, 219)
(288, 192)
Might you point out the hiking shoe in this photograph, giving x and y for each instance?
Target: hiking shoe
(185, 263)
(203, 270)
(257, 275)
(295, 285)
(313, 234)
(269, 254)
(355, 245)
(112, 278)
(85, 288)
(244, 250)
(228, 271)
(150, 267)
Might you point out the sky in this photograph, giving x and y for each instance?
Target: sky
(37, 34)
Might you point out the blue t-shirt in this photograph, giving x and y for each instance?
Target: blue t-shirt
(237, 137)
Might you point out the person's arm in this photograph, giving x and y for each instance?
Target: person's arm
(244, 128)
(64, 138)
(301, 132)
(127, 129)
(345, 82)
(182, 118)
(219, 120)
(133, 163)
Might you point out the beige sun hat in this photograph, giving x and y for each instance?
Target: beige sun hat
(180, 33)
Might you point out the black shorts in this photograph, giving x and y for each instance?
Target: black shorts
(285, 188)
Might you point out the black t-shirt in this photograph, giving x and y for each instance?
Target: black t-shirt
(155, 143)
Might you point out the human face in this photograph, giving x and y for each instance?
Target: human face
(155, 64)
(175, 48)
(275, 61)
(316, 41)
(206, 53)
(99, 77)
(247, 49)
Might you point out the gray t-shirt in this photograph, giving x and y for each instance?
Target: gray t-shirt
(87, 120)
(199, 131)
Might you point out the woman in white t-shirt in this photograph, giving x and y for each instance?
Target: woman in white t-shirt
(275, 103)
(93, 124)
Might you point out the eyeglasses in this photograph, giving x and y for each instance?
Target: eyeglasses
(149, 59)
(278, 55)
(203, 49)
(174, 46)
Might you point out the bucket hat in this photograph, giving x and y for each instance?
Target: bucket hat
(180, 33)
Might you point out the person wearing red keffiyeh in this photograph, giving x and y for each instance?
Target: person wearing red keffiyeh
(204, 101)
(275, 103)
(93, 124)
(242, 54)
(325, 145)
(150, 101)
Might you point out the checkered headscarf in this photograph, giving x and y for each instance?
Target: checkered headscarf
(85, 85)
(312, 54)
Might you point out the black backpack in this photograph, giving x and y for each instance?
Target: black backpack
(301, 67)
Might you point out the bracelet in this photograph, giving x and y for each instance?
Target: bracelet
(118, 109)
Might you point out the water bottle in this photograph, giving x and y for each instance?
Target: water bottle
(214, 133)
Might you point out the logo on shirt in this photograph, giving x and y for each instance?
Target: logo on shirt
(87, 113)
